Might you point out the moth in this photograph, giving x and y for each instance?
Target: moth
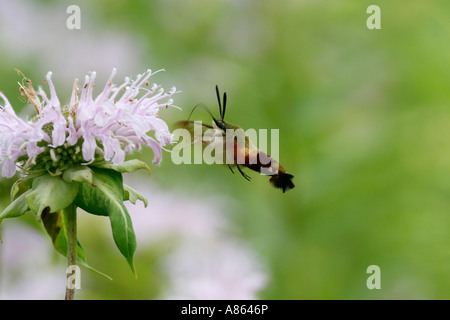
(236, 148)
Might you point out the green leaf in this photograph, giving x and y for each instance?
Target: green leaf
(132, 195)
(56, 226)
(15, 189)
(105, 197)
(78, 173)
(19, 187)
(51, 192)
(127, 166)
(17, 208)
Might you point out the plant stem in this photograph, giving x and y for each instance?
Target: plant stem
(71, 216)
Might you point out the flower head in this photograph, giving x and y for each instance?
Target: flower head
(102, 128)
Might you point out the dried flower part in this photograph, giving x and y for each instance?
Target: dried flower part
(102, 128)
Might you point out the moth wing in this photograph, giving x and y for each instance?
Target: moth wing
(201, 132)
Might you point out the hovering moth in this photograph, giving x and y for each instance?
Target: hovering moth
(236, 148)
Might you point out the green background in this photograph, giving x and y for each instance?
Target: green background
(364, 127)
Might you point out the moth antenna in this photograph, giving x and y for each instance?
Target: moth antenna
(201, 106)
(224, 105)
(220, 102)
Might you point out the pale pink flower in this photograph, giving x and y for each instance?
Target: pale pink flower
(118, 118)
(106, 127)
(17, 138)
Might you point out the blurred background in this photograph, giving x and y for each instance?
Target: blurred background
(364, 122)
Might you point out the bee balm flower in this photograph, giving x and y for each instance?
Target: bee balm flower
(102, 128)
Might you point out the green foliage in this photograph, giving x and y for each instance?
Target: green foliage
(51, 193)
(78, 174)
(127, 166)
(98, 190)
(17, 208)
(56, 226)
(105, 197)
(133, 195)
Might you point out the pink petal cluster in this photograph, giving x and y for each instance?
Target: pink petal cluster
(17, 138)
(112, 124)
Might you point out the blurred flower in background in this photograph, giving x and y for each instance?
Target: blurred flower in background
(31, 30)
(188, 217)
(207, 261)
(217, 269)
(26, 268)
